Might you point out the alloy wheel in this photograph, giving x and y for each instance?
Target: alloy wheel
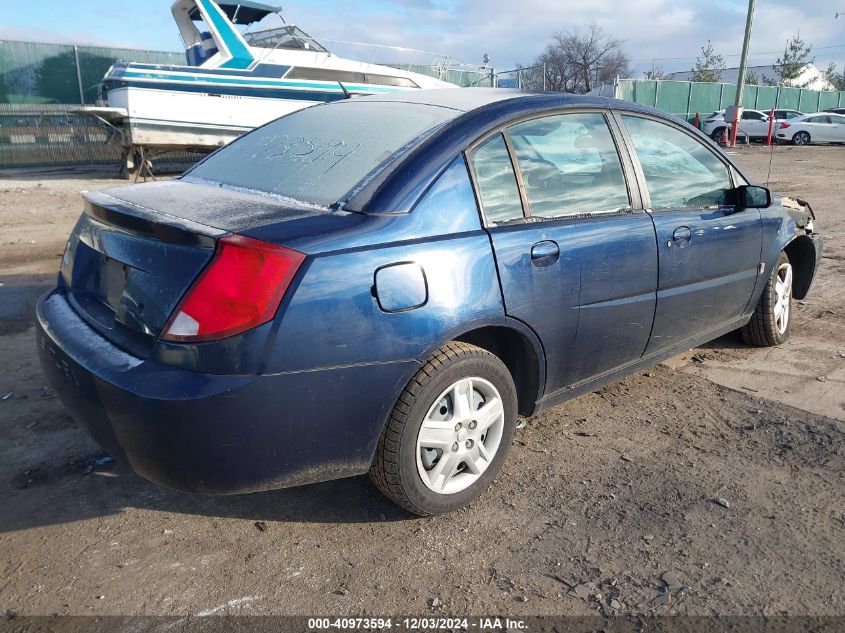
(783, 296)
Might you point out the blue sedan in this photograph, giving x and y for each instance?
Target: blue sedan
(383, 284)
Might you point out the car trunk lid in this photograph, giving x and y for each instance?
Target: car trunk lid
(136, 251)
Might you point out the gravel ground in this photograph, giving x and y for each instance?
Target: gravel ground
(719, 474)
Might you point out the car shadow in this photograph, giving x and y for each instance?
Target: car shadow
(52, 472)
(45, 495)
(731, 340)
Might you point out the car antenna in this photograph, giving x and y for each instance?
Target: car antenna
(345, 91)
(771, 155)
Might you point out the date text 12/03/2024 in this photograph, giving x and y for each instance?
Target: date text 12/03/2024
(493, 623)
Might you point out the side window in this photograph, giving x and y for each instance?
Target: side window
(679, 170)
(752, 116)
(569, 165)
(496, 181)
(818, 119)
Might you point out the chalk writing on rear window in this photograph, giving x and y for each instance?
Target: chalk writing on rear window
(318, 154)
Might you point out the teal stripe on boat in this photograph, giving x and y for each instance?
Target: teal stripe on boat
(241, 57)
(257, 82)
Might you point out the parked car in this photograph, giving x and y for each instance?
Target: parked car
(836, 110)
(384, 283)
(821, 127)
(754, 124)
(781, 115)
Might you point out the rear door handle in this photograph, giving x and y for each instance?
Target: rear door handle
(545, 253)
(681, 236)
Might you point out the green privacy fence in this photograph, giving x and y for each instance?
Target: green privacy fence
(32, 72)
(684, 98)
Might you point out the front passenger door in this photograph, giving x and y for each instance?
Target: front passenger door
(709, 251)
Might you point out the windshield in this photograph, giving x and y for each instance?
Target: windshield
(290, 37)
(319, 154)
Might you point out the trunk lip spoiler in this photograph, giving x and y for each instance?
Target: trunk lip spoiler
(137, 219)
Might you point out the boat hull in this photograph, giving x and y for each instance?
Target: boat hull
(170, 119)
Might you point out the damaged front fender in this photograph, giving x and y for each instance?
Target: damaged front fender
(801, 243)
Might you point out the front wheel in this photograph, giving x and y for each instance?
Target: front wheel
(801, 138)
(769, 325)
(720, 135)
(449, 433)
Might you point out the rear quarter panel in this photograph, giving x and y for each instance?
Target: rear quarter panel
(334, 317)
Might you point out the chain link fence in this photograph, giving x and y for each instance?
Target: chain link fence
(38, 73)
(54, 135)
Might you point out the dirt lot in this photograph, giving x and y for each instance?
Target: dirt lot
(725, 466)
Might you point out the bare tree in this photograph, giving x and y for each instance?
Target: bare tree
(657, 72)
(576, 61)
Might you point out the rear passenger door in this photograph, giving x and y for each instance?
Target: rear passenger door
(709, 251)
(819, 128)
(576, 262)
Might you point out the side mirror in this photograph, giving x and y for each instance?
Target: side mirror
(753, 197)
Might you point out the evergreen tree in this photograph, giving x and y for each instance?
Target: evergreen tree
(834, 76)
(709, 66)
(795, 58)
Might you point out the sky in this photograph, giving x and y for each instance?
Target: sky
(667, 33)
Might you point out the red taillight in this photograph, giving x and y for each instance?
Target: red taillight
(783, 125)
(240, 289)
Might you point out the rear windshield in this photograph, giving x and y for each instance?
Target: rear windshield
(318, 155)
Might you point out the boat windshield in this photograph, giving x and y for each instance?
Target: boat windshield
(290, 37)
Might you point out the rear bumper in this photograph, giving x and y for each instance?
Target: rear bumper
(210, 433)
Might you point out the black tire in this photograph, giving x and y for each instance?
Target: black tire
(395, 471)
(719, 135)
(762, 330)
(801, 138)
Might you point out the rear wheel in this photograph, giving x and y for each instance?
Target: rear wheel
(769, 325)
(801, 138)
(449, 433)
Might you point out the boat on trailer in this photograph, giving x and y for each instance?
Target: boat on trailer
(234, 81)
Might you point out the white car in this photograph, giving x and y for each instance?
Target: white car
(754, 124)
(820, 127)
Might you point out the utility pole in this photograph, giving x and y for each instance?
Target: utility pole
(836, 17)
(743, 66)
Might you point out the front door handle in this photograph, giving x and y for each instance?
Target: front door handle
(681, 236)
(545, 253)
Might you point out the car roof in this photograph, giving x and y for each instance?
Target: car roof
(462, 99)
(467, 100)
